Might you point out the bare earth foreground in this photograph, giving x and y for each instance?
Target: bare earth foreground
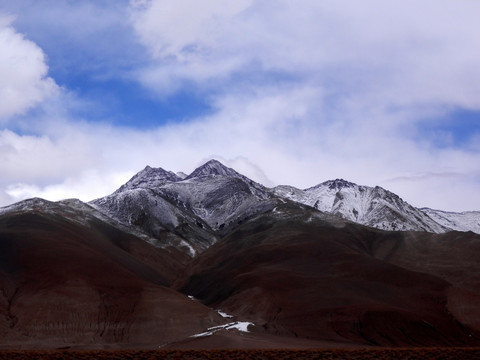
(378, 353)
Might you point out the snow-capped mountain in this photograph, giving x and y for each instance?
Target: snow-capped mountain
(150, 178)
(462, 221)
(216, 168)
(370, 206)
(198, 208)
(213, 199)
(213, 167)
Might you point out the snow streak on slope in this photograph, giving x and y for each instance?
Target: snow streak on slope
(463, 221)
(375, 207)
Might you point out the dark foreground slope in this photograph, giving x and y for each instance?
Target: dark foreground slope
(295, 272)
(66, 281)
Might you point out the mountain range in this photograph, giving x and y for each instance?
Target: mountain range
(220, 196)
(215, 259)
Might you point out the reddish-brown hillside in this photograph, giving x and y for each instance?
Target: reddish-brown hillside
(64, 283)
(293, 273)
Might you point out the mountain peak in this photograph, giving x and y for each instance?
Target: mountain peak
(213, 167)
(338, 184)
(150, 177)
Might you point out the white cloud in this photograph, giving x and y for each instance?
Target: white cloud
(373, 52)
(320, 89)
(92, 38)
(301, 92)
(88, 185)
(23, 72)
(43, 158)
(183, 29)
(91, 160)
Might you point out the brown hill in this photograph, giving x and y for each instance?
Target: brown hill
(292, 272)
(68, 283)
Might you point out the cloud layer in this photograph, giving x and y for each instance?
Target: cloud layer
(24, 82)
(300, 92)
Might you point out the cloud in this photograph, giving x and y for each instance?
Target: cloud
(89, 160)
(320, 89)
(270, 130)
(23, 72)
(88, 185)
(300, 92)
(95, 40)
(426, 176)
(377, 53)
(183, 29)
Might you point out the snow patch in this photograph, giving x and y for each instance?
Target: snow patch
(240, 326)
(191, 250)
(222, 314)
(207, 333)
(237, 325)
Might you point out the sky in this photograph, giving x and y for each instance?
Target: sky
(377, 92)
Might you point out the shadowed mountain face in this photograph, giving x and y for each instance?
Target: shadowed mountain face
(117, 272)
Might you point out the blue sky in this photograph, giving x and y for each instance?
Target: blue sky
(288, 92)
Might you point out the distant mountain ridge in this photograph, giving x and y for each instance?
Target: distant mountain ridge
(213, 198)
(370, 206)
(218, 197)
(462, 221)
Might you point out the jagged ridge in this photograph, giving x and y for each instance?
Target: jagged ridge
(370, 206)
